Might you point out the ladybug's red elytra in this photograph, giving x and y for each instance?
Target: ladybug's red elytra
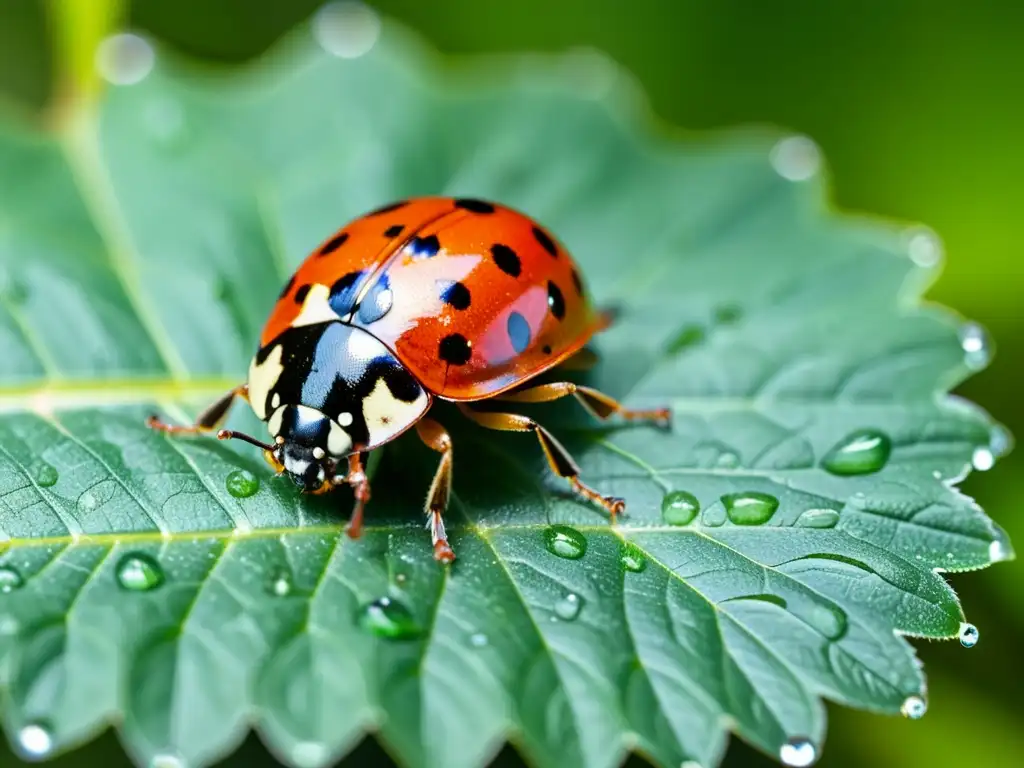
(455, 299)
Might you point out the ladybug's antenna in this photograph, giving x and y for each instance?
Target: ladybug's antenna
(227, 434)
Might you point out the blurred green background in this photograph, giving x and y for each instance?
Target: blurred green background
(919, 107)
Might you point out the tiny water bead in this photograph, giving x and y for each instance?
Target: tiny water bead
(35, 740)
(242, 484)
(45, 475)
(388, 618)
(796, 158)
(976, 346)
(565, 541)
(124, 59)
(818, 518)
(969, 635)
(749, 507)
(859, 453)
(983, 459)
(914, 707)
(139, 572)
(632, 558)
(10, 579)
(1000, 441)
(88, 501)
(679, 507)
(478, 640)
(346, 29)
(568, 608)
(798, 753)
(924, 248)
(727, 460)
(280, 584)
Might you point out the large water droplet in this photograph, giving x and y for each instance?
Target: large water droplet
(969, 635)
(242, 484)
(568, 608)
(818, 518)
(478, 640)
(727, 460)
(798, 753)
(280, 584)
(124, 59)
(346, 29)
(913, 707)
(632, 558)
(859, 453)
(796, 158)
(983, 459)
(138, 572)
(45, 475)
(35, 740)
(10, 579)
(388, 618)
(679, 507)
(830, 620)
(565, 542)
(749, 507)
(307, 754)
(976, 346)
(924, 247)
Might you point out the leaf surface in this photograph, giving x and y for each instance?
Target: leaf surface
(140, 251)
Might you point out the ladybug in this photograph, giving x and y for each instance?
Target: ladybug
(455, 299)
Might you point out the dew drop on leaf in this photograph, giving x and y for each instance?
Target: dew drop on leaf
(45, 475)
(913, 707)
(307, 754)
(139, 572)
(280, 584)
(568, 608)
(818, 518)
(925, 248)
(830, 620)
(124, 59)
(88, 501)
(749, 507)
(969, 635)
(633, 559)
(976, 346)
(796, 158)
(679, 507)
(727, 460)
(242, 484)
(565, 542)
(798, 753)
(983, 459)
(35, 740)
(166, 761)
(346, 29)
(478, 640)
(388, 618)
(10, 579)
(859, 453)
(1000, 441)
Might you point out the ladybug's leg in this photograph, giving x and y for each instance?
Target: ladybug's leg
(360, 483)
(436, 438)
(598, 403)
(207, 421)
(562, 464)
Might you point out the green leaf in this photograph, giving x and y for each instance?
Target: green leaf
(808, 480)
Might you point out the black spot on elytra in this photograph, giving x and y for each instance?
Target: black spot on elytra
(577, 283)
(394, 230)
(556, 302)
(455, 349)
(546, 349)
(455, 294)
(343, 293)
(288, 286)
(545, 241)
(506, 259)
(388, 208)
(333, 244)
(301, 294)
(424, 247)
(476, 206)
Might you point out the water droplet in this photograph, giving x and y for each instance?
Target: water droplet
(139, 572)
(632, 558)
(1000, 441)
(280, 584)
(975, 344)
(796, 158)
(679, 507)
(242, 484)
(166, 761)
(924, 247)
(859, 453)
(798, 753)
(913, 707)
(998, 551)
(969, 635)
(46, 476)
(565, 542)
(568, 608)
(308, 754)
(478, 640)
(818, 518)
(829, 620)
(749, 507)
(689, 336)
(124, 59)
(35, 740)
(388, 618)
(88, 501)
(346, 29)
(727, 460)
(10, 579)
(983, 459)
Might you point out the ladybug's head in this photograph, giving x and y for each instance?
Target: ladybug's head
(308, 447)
